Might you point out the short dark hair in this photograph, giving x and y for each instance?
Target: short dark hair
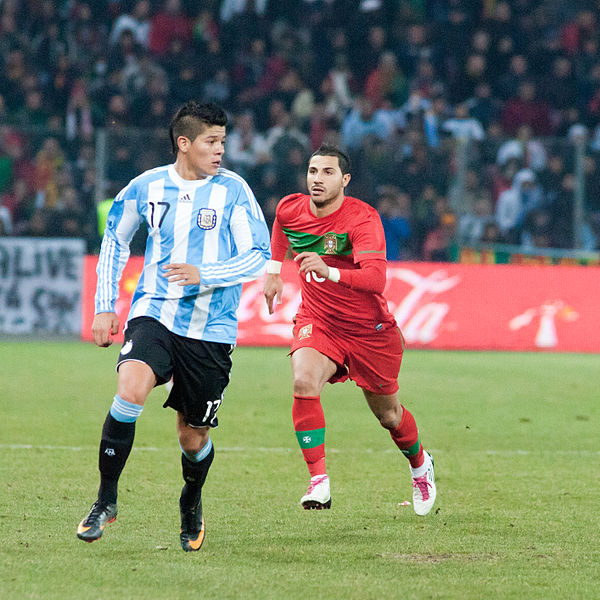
(193, 118)
(331, 150)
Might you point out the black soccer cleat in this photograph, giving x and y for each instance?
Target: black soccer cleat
(192, 528)
(92, 526)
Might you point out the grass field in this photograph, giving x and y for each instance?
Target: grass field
(515, 439)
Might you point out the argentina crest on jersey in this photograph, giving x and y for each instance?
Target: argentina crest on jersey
(207, 218)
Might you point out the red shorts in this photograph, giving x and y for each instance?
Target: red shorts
(371, 360)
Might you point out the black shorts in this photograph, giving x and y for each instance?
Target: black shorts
(200, 370)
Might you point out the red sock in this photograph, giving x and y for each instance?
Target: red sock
(309, 424)
(406, 437)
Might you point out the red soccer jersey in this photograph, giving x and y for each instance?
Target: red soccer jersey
(343, 239)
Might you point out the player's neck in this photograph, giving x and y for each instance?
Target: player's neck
(186, 171)
(324, 210)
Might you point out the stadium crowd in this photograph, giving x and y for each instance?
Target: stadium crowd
(461, 117)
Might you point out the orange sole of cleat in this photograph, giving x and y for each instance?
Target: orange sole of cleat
(90, 541)
(314, 505)
(195, 545)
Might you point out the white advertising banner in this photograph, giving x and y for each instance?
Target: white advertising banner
(40, 285)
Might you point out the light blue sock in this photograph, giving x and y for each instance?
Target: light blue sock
(123, 411)
(198, 456)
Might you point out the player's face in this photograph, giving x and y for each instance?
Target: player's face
(325, 180)
(203, 156)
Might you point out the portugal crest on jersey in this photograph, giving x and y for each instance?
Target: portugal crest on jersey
(207, 218)
(330, 243)
(305, 332)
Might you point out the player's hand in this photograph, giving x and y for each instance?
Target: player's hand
(312, 262)
(183, 273)
(103, 326)
(273, 289)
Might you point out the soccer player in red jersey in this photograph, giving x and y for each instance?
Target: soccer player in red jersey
(343, 328)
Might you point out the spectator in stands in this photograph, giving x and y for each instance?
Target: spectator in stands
(138, 22)
(526, 109)
(394, 209)
(231, 8)
(551, 178)
(342, 81)
(364, 119)
(561, 211)
(465, 194)
(559, 86)
(168, 24)
(527, 151)
(11, 78)
(514, 204)
(48, 163)
(70, 216)
(386, 82)
(471, 225)
(218, 88)
(79, 121)
(33, 112)
(474, 73)
(117, 114)
(283, 132)
(433, 118)
(491, 235)
(246, 148)
(537, 229)
(440, 239)
(122, 165)
(482, 105)
(39, 224)
(462, 126)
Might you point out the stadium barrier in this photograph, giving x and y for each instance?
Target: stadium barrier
(437, 305)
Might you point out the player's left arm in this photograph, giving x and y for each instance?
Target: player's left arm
(368, 246)
(251, 238)
(369, 277)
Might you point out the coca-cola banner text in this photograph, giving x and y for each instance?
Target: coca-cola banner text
(439, 305)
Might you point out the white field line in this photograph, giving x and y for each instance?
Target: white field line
(276, 450)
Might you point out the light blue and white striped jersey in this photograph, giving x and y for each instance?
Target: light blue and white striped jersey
(214, 223)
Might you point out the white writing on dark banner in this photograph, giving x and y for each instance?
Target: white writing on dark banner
(40, 285)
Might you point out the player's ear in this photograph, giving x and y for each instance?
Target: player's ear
(346, 179)
(183, 143)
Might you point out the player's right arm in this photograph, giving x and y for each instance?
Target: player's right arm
(121, 224)
(273, 288)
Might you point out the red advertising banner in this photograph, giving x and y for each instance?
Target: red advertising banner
(437, 305)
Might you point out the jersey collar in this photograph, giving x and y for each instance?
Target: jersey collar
(189, 184)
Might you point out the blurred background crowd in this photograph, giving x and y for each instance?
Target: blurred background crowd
(468, 122)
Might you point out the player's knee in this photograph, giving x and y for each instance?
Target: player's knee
(389, 420)
(305, 384)
(389, 417)
(197, 444)
(131, 394)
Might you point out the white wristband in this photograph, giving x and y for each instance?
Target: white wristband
(274, 267)
(334, 274)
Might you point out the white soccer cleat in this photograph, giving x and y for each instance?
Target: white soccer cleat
(318, 495)
(424, 489)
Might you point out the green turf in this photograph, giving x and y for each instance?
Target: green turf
(515, 439)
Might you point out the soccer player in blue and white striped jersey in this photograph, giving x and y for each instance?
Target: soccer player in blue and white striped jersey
(206, 236)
